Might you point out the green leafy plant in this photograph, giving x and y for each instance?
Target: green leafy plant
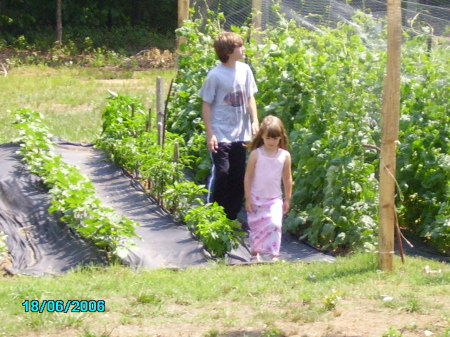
(273, 333)
(326, 85)
(128, 142)
(424, 154)
(161, 170)
(182, 196)
(130, 145)
(331, 300)
(214, 229)
(323, 99)
(73, 194)
(392, 332)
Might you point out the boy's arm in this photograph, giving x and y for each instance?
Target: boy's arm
(287, 183)
(253, 114)
(211, 140)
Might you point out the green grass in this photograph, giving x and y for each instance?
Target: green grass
(263, 295)
(71, 99)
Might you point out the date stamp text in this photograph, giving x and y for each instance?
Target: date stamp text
(64, 306)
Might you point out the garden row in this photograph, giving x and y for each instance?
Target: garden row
(327, 85)
(131, 143)
(126, 139)
(72, 194)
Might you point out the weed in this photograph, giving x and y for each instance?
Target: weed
(273, 333)
(212, 333)
(413, 305)
(153, 299)
(202, 296)
(392, 332)
(331, 300)
(446, 333)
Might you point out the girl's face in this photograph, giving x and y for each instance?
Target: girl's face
(271, 143)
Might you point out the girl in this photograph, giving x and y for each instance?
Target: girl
(268, 165)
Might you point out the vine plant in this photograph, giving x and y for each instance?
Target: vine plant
(327, 85)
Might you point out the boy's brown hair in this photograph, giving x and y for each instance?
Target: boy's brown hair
(225, 43)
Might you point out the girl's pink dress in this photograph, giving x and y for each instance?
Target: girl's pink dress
(265, 221)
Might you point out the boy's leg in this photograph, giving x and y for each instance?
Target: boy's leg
(218, 182)
(227, 177)
(236, 175)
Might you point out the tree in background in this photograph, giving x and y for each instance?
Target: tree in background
(58, 21)
(30, 17)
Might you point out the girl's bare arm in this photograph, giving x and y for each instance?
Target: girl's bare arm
(287, 183)
(249, 173)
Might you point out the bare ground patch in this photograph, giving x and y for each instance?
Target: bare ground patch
(352, 318)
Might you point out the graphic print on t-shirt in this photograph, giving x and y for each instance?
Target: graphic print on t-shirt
(236, 97)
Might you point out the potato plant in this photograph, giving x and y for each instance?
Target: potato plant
(72, 193)
(125, 138)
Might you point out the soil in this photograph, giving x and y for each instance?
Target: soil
(354, 320)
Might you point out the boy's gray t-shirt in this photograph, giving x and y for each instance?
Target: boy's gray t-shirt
(228, 91)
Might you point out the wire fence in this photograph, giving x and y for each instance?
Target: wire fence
(421, 18)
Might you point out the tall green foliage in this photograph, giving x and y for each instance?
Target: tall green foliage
(326, 86)
(424, 151)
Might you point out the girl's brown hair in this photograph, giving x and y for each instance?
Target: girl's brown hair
(225, 43)
(271, 126)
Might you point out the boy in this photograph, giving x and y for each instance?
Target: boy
(230, 117)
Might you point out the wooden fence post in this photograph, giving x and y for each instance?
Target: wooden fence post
(176, 153)
(389, 136)
(160, 108)
(257, 18)
(183, 14)
(59, 27)
(149, 123)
